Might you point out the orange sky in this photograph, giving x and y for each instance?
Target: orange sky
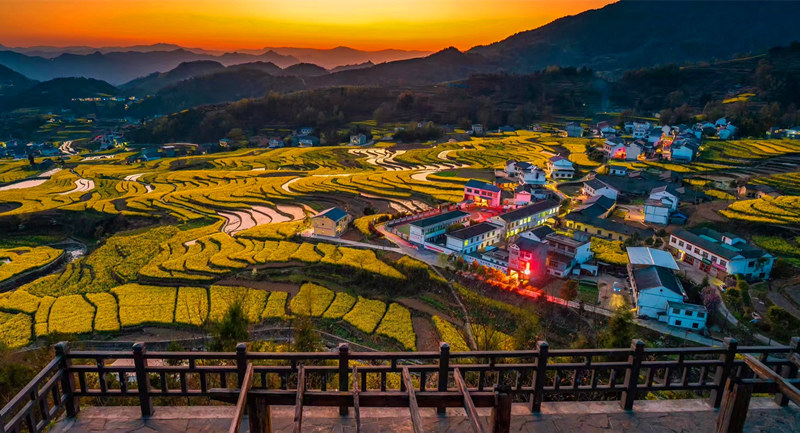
(253, 24)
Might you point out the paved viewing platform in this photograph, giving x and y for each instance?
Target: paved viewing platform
(584, 417)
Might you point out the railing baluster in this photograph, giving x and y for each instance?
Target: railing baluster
(632, 375)
(71, 403)
(344, 371)
(788, 371)
(723, 371)
(444, 371)
(539, 377)
(142, 379)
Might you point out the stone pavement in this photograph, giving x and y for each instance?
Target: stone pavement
(582, 417)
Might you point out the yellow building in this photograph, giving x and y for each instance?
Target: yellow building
(330, 222)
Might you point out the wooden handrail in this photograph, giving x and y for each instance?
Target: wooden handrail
(247, 383)
(413, 407)
(469, 405)
(298, 404)
(765, 372)
(356, 403)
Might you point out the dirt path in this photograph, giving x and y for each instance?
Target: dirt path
(269, 286)
(424, 307)
(427, 338)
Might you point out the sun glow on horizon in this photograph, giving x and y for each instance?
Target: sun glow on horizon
(253, 24)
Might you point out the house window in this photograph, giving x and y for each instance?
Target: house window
(701, 314)
(722, 262)
(677, 323)
(694, 325)
(680, 243)
(751, 264)
(676, 311)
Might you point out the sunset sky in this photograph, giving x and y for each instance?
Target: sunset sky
(253, 24)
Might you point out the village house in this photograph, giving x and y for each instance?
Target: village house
(617, 170)
(526, 218)
(331, 222)
(574, 130)
(474, 238)
(607, 229)
(559, 167)
(654, 287)
(526, 172)
(305, 130)
(793, 133)
(565, 253)
(358, 140)
(721, 254)
(641, 129)
(433, 228)
(539, 234)
(756, 190)
(598, 206)
(663, 201)
(526, 194)
(527, 258)
(482, 193)
(594, 187)
(477, 130)
(682, 148)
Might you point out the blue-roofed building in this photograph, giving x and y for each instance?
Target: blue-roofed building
(482, 193)
(331, 222)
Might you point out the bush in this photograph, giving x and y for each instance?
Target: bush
(397, 324)
(450, 334)
(366, 315)
(340, 306)
(312, 300)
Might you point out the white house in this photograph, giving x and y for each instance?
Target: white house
(656, 212)
(533, 175)
(306, 130)
(617, 170)
(431, 228)
(689, 316)
(617, 148)
(526, 218)
(666, 194)
(721, 254)
(473, 238)
(565, 253)
(594, 187)
(559, 167)
(477, 129)
(641, 129)
(654, 287)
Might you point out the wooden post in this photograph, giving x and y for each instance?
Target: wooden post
(259, 416)
(733, 413)
(632, 375)
(723, 372)
(142, 379)
(539, 376)
(241, 363)
(788, 371)
(71, 403)
(344, 351)
(444, 371)
(501, 412)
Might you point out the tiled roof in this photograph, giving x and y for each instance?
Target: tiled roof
(529, 210)
(437, 219)
(473, 230)
(482, 185)
(333, 213)
(656, 276)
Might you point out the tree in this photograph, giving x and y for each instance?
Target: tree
(306, 339)
(619, 331)
(527, 334)
(711, 298)
(569, 291)
(231, 330)
(784, 324)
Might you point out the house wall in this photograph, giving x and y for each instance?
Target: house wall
(653, 301)
(325, 226)
(750, 268)
(688, 319)
(656, 215)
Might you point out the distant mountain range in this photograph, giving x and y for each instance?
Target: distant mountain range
(118, 65)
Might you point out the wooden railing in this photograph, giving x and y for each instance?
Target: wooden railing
(381, 379)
